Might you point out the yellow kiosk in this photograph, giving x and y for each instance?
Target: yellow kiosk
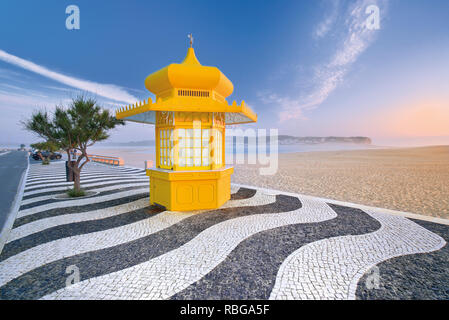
(190, 114)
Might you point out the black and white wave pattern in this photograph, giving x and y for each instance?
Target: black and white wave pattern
(257, 246)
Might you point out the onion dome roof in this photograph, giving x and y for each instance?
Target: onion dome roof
(189, 74)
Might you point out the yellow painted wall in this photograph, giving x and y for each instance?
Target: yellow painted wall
(186, 191)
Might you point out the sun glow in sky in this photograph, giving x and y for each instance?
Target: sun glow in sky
(306, 67)
(421, 118)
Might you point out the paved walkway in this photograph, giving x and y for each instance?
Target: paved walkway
(259, 245)
(12, 166)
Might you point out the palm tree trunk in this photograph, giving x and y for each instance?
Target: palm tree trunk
(76, 179)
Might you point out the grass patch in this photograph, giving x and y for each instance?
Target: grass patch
(76, 193)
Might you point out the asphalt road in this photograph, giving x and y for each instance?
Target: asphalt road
(12, 165)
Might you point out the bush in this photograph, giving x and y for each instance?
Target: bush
(76, 193)
(45, 161)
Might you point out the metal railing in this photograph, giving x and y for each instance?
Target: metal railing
(115, 161)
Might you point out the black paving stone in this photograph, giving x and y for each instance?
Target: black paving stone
(74, 229)
(249, 271)
(77, 209)
(113, 183)
(51, 277)
(421, 276)
(61, 173)
(100, 194)
(69, 185)
(243, 193)
(83, 179)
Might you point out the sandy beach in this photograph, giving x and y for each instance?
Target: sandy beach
(133, 157)
(406, 179)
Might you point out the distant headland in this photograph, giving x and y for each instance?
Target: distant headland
(283, 140)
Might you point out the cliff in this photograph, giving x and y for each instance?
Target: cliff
(284, 139)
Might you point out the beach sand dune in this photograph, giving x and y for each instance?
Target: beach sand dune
(406, 179)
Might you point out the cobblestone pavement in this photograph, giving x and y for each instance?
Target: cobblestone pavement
(259, 245)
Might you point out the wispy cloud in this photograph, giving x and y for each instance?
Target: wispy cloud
(15, 100)
(325, 26)
(355, 39)
(105, 90)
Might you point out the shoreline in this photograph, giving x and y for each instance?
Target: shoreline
(398, 178)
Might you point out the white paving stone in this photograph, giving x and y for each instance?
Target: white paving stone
(42, 224)
(327, 269)
(89, 184)
(50, 175)
(161, 277)
(79, 202)
(62, 178)
(46, 186)
(331, 268)
(99, 189)
(59, 169)
(45, 253)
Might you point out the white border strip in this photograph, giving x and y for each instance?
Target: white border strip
(354, 205)
(114, 167)
(14, 207)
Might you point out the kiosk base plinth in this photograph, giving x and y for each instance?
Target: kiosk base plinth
(190, 190)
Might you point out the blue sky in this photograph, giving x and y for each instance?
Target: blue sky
(306, 67)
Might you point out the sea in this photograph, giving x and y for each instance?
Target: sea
(243, 148)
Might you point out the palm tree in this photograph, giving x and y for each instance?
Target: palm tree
(74, 128)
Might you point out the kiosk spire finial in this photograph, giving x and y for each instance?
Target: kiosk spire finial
(190, 36)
